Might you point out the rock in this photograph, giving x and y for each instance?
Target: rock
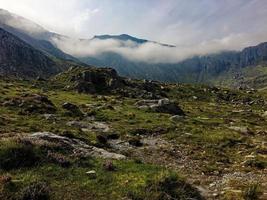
(92, 80)
(176, 118)
(41, 79)
(243, 130)
(161, 106)
(264, 114)
(5, 179)
(31, 103)
(165, 106)
(49, 116)
(91, 174)
(188, 134)
(113, 136)
(102, 139)
(93, 126)
(135, 142)
(59, 159)
(146, 102)
(119, 145)
(109, 166)
(77, 147)
(72, 109)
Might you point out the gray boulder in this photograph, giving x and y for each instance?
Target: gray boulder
(161, 106)
(78, 147)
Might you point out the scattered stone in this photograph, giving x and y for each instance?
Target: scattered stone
(5, 179)
(102, 139)
(49, 116)
(243, 130)
(109, 166)
(161, 106)
(31, 103)
(59, 159)
(93, 126)
(188, 134)
(176, 118)
(41, 79)
(77, 147)
(135, 142)
(113, 136)
(72, 109)
(264, 114)
(91, 174)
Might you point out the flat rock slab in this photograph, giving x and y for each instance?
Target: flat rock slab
(78, 147)
(90, 126)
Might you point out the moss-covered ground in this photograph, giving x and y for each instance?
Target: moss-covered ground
(209, 153)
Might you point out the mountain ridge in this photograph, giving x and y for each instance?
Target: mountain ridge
(198, 69)
(19, 59)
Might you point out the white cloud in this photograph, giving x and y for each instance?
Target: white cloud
(153, 52)
(67, 17)
(195, 27)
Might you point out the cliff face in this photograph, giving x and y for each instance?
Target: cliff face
(19, 59)
(253, 55)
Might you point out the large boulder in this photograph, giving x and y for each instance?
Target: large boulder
(75, 146)
(91, 80)
(72, 109)
(161, 106)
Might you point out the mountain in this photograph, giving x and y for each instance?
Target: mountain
(199, 69)
(229, 68)
(126, 37)
(122, 37)
(32, 34)
(19, 59)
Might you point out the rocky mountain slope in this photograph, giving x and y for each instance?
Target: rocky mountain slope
(228, 68)
(32, 34)
(19, 59)
(200, 69)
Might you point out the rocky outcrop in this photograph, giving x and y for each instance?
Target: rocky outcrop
(31, 104)
(77, 147)
(91, 80)
(72, 109)
(253, 55)
(161, 106)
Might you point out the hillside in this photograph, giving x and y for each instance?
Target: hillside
(72, 138)
(207, 69)
(32, 34)
(19, 59)
(221, 68)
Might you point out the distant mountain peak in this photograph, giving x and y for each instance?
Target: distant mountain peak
(126, 37)
(123, 37)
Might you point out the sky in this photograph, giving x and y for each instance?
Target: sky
(189, 24)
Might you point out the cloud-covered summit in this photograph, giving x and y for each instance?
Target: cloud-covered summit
(195, 27)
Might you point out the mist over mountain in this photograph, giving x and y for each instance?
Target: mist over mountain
(140, 58)
(133, 100)
(32, 33)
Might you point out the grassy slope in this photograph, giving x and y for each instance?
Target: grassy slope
(211, 145)
(253, 76)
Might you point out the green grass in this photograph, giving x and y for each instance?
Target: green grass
(204, 133)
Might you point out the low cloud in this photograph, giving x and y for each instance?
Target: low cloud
(20, 23)
(151, 52)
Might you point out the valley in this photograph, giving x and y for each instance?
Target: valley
(116, 117)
